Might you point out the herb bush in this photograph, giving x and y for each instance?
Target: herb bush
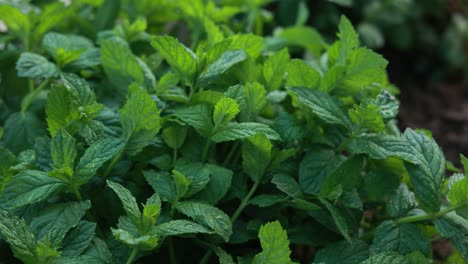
(121, 144)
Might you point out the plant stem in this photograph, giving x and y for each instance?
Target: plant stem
(30, 97)
(174, 157)
(206, 257)
(114, 162)
(419, 218)
(132, 256)
(231, 153)
(77, 194)
(244, 202)
(206, 148)
(172, 255)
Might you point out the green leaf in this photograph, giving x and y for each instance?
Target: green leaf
(145, 243)
(52, 224)
(128, 201)
(17, 22)
(456, 234)
(162, 184)
(20, 237)
(140, 120)
(458, 192)
(223, 256)
(332, 78)
(217, 187)
(322, 104)
(251, 43)
(208, 216)
(347, 175)
(338, 218)
(388, 105)
(95, 156)
(182, 184)
(302, 75)
(78, 239)
(273, 69)
(255, 101)
(180, 227)
(349, 39)
(404, 239)
(63, 151)
(225, 110)
(233, 131)
(428, 174)
(275, 245)
(214, 71)
(120, 65)
(266, 200)
(58, 109)
(387, 257)
(288, 185)
(35, 66)
(65, 49)
(256, 156)
(7, 160)
(197, 174)
(401, 201)
(29, 187)
(343, 252)
(381, 146)
(315, 166)
(367, 117)
(177, 55)
(302, 36)
(198, 116)
(288, 127)
(174, 135)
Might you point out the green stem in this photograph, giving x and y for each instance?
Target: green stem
(172, 255)
(244, 202)
(419, 218)
(132, 256)
(113, 162)
(30, 97)
(231, 153)
(77, 194)
(206, 257)
(206, 148)
(174, 157)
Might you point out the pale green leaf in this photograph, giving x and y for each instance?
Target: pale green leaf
(256, 156)
(302, 75)
(273, 69)
(16, 21)
(275, 245)
(180, 227)
(208, 216)
(225, 110)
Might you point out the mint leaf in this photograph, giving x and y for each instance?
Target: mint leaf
(140, 120)
(78, 239)
(225, 110)
(458, 237)
(35, 66)
(208, 216)
(18, 234)
(120, 65)
(402, 239)
(177, 55)
(387, 257)
(255, 101)
(95, 156)
(273, 69)
(323, 105)
(428, 174)
(63, 151)
(162, 184)
(20, 131)
(256, 156)
(128, 201)
(401, 201)
(52, 224)
(17, 22)
(227, 60)
(28, 187)
(180, 227)
(58, 109)
(275, 244)
(339, 219)
(197, 116)
(217, 187)
(301, 75)
(380, 146)
(343, 252)
(233, 131)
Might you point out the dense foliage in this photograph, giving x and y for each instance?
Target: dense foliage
(121, 143)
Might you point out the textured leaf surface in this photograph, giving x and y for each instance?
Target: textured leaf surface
(275, 244)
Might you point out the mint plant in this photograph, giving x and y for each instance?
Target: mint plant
(126, 145)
